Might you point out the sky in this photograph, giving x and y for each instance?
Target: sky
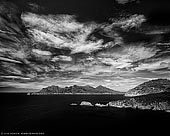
(115, 43)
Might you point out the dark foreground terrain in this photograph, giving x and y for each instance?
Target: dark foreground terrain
(54, 114)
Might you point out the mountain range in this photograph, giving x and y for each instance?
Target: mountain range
(149, 87)
(78, 89)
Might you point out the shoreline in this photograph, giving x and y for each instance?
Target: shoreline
(74, 94)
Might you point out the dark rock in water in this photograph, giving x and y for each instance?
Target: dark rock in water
(150, 87)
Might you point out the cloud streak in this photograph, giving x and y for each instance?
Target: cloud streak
(124, 1)
(61, 58)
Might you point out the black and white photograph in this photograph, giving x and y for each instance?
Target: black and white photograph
(84, 67)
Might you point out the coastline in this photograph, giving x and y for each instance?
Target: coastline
(74, 94)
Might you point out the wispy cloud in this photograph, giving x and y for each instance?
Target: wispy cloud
(9, 60)
(62, 31)
(124, 1)
(61, 58)
(123, 57)
(34, 7)
(55, 23)
(156, 65)
(129, 22)
(40, 52)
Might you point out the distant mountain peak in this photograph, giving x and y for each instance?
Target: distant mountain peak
(100, 86)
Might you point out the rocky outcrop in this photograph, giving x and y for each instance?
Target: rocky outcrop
(85, 103)
(133, 103)
(159, 101)
(101, 105)
(73, 104)
(150, 87)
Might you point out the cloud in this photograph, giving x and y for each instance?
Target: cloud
(33, 7)
(54, 23)
(62, 31)
(156, 32)
(113, 62)
(124, 1)
(9, 60)
(125, 56)
(46, 37)
(11, 68)
(126, 23)
(40, 52)
(15, 77)
(19, 54)
(61, 58)
(156, 65)
(3, 50)
(87, 47)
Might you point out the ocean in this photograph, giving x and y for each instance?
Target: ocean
(53, 114)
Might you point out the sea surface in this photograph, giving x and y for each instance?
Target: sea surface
(53, 114)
